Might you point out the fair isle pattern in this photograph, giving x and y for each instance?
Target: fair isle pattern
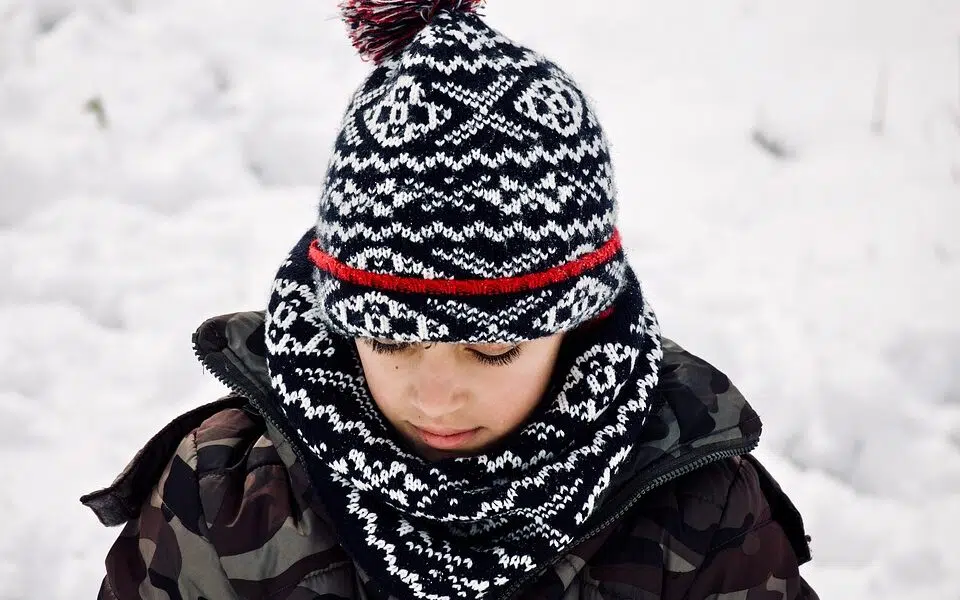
(467, 157)
(355, 311)
(465, 527)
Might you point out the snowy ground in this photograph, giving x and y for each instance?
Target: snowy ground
(158, 157)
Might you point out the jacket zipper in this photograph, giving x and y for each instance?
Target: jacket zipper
(670, 471)
(256, 398)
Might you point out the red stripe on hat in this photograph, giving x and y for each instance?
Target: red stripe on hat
(465, 287)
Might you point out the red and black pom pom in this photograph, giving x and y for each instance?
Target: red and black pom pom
(381, 28)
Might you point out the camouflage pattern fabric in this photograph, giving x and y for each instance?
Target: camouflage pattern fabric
(218, 505)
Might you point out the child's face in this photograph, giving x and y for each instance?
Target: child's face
(457, 399)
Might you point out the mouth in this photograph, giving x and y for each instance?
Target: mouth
(446, 439)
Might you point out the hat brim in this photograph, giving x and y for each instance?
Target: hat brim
(360, 311)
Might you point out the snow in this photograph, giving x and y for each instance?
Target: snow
(157, 159)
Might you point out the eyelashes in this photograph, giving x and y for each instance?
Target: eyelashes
(381, 348)
(502, 359)
(498, 359)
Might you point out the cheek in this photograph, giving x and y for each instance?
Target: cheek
(385, 380)
(509, 397)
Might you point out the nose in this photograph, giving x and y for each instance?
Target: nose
(436, 393)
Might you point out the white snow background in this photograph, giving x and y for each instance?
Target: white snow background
(158, 158)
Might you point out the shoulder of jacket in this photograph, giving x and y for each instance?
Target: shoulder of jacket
(751, 499)
(223, 426)
(714, 504)
(724, 486)
(249, 503)
(212, 487)
(660, 543)
(713, 508)
(697, 510)
(232, 440)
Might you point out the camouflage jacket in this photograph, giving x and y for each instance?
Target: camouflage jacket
(218, 505)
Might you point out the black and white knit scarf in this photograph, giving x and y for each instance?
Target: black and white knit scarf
(461, 527)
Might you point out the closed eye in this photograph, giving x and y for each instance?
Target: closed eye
(501, 359)
(504, 358)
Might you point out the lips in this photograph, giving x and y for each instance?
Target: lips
(446, 439)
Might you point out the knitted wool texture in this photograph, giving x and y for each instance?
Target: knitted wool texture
(470, 197)
(470, 527)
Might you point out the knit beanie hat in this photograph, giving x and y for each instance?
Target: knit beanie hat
(470, 196)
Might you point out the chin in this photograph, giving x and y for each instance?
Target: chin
(431, 454)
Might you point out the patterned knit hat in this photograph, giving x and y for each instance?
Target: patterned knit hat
(470, 196)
